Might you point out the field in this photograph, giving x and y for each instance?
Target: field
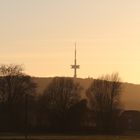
(103, 137)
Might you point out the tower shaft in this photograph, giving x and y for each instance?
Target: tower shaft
(75, 66)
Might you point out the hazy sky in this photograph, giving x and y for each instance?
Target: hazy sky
(40, 34)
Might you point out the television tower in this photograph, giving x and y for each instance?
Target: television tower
(75, 66)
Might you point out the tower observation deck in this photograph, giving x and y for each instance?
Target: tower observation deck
(75, 66)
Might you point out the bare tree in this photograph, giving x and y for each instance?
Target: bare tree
(14, 84)
(14, 88)
(61, 94)
(104, 97)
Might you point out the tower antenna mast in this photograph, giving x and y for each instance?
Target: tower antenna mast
(75, 66)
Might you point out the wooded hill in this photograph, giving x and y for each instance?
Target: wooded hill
(130, 94)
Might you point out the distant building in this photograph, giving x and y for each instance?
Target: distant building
(130, 120)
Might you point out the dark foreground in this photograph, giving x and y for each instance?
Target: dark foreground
(97, 137)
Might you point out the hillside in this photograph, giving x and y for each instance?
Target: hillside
(130, 94)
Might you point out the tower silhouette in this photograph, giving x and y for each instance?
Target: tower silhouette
(75, 66)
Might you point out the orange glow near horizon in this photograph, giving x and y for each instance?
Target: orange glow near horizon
(40, 34)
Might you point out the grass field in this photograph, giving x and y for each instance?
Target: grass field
(103, 137)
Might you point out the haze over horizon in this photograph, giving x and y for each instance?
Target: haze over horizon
(40, 34)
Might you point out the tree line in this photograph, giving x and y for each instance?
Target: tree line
(60, 107)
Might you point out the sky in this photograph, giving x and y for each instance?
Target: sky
(40, 35)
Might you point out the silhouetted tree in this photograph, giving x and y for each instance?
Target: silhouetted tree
(77, 116)
(104, 97)
(58, 98)
(14, 85)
